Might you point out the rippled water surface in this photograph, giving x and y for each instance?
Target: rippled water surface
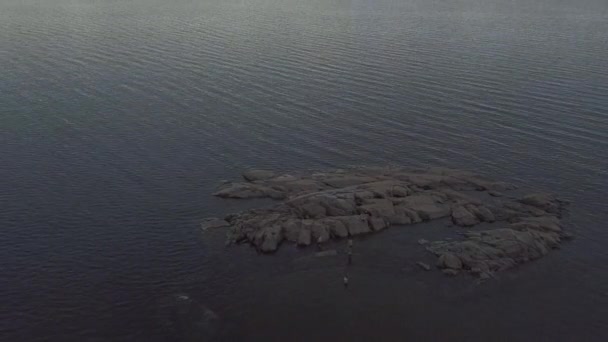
(118, 118)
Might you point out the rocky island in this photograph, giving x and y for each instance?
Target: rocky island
(501, 227)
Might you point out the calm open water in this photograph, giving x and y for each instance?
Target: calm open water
(118, 119)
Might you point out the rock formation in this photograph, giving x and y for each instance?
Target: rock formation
(318, 207)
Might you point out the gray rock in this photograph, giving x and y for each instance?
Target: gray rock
(212, 223)
(361, 195)
(485, 276)
(325, 203)
(272, 237)
(483, 214)
(423, 242)
(542, 223)
(311, 210)
(496, 250)
(291, 230)
(283, 179)
(460, 197)
(256, 175)
(401, 191)
(302, 186)
(399, 220)
(450, 272)
(480, 269)
(304, 237)
(246, 190)
(331, 205)
(378, 208)
(413, 215)
(336, 228)
(463, 217)
(426, 206)
(499, 186)
(320, 232)
(523, 210)
(356, 225)
(449, 260)
(249, 225)
(388, 188)
(340, 207)
(403, 215)
(345, 181)
(424, 266)
(568, 236)
(545, 202)
(377, 223)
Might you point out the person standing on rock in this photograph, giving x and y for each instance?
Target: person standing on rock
(350, 256)
(350, 251)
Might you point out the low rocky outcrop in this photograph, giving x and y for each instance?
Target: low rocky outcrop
(240, 190)
(424, 266)
(213, 222)
(488, 251)
(319, 207)
(257, 175)
(469, 214)
(449, 260)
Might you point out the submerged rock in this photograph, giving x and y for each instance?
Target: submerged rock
(424, 266)
(331, 252)
(212, 223)
(450, 272)
(545, 202)
(338, 204)
(256, 175)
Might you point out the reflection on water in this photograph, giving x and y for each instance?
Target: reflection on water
(119, 118)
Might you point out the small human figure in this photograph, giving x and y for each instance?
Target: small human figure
(345, 281)
(350, 251)
(319, 246)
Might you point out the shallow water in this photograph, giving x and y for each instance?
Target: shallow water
(118, 118)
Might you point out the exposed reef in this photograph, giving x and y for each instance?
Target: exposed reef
(317, 207)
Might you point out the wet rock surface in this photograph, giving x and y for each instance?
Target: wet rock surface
(318, 207)
(212, 223)
(423, 265)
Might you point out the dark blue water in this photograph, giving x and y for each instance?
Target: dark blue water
(118, 118)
